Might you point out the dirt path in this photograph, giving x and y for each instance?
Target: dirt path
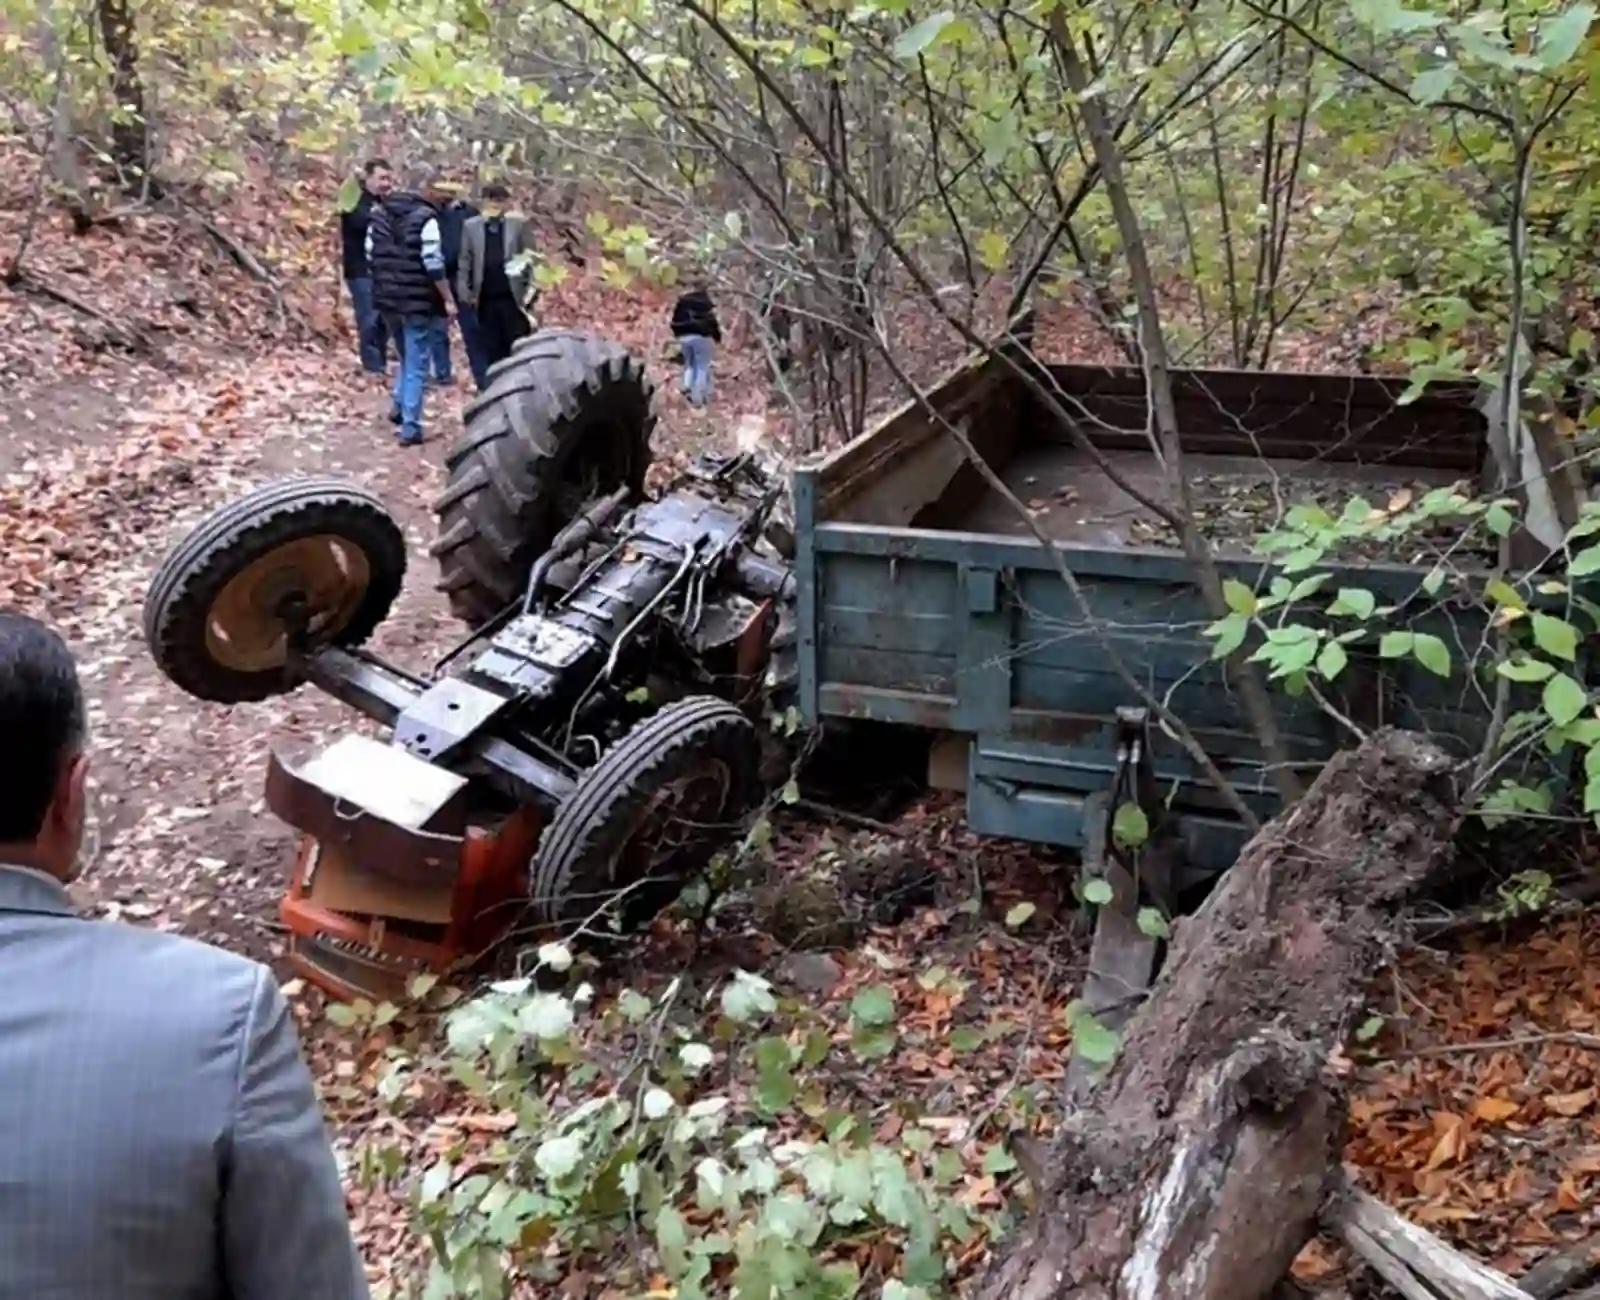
(183, 839)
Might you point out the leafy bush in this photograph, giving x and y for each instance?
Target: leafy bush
(710, 1143)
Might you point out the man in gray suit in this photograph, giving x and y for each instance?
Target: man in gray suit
(493, 278)
(159, 1134)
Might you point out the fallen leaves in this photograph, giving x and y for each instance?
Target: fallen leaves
(1476, 1113)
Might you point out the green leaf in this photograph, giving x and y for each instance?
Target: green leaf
(1230, 633)
(341, 1014)
(874, 1005)
(965, 1039)
(1395, 644)
(997, 1160)
(633, 1005)
(1433, 85)
(916, 39)
(1019, 915)
(1240, 599)
(1390, 16)
(1129, 826)
(790, 793)
(1503, 593)
(1434, 581)
(638, 695)
(1561, 37)
(1555, 637)
(1584, 563)
(1301, 560)
(1564, 699)
(1097, 891)
(872, 1042)
(775, 1085)
(1522, 669)
(1331, 662)
(1370, 1028)
(1499, 520)
(349, 195)
(558, 1156)
(1152, 924)
(1431, 653)
(747, 996)
(1093, 1041)
(992, 249)
(1353, 602)
(672, 1240)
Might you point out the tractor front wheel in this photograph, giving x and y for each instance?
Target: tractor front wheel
(651, 813)
(316, 559)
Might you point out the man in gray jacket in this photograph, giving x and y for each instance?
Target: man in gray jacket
(493, 278)
(159, 1133)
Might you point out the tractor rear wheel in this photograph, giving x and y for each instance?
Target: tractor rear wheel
(315, 557)
(565, 418)
(651, 813)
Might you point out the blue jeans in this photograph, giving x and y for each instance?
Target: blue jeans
(439, 350)
(370, 329)
(477, 358)
(413, 336)
(696, 382)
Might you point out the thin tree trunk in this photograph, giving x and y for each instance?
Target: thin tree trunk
(129, 130)
(1163, 410)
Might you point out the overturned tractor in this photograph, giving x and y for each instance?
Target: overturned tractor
(592, 741)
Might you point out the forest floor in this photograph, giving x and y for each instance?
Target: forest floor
(1475, 1107)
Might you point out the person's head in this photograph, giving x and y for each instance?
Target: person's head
(494, 199)
(43, 768)
(442, 191)
(417, 179)
(378, 177)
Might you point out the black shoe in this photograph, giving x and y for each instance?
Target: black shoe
(395, 417)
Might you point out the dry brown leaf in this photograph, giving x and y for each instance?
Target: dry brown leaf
(1494, 1110)
(1451, 1142)
(1570, 1103)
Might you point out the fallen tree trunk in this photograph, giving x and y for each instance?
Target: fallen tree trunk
(1200, 1162)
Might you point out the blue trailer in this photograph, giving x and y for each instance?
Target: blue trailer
(924, 601)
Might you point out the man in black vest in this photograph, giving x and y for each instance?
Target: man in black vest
(454, 212)
(408, 283)
(376, 181)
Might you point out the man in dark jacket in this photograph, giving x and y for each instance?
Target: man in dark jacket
(454, 212)
(376, 181)
(493, 279)
(408, 283)
(694, 325)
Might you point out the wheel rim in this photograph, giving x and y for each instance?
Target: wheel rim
(673, 821)
(318, 581)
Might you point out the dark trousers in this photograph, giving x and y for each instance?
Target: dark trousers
(500, 324)
(371, 331)
(471, 336)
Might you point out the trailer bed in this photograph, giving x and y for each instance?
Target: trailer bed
(1076, 501)
(924, 601)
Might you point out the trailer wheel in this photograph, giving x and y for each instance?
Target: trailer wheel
(651, 813)
(315, 553)
(565, 418)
